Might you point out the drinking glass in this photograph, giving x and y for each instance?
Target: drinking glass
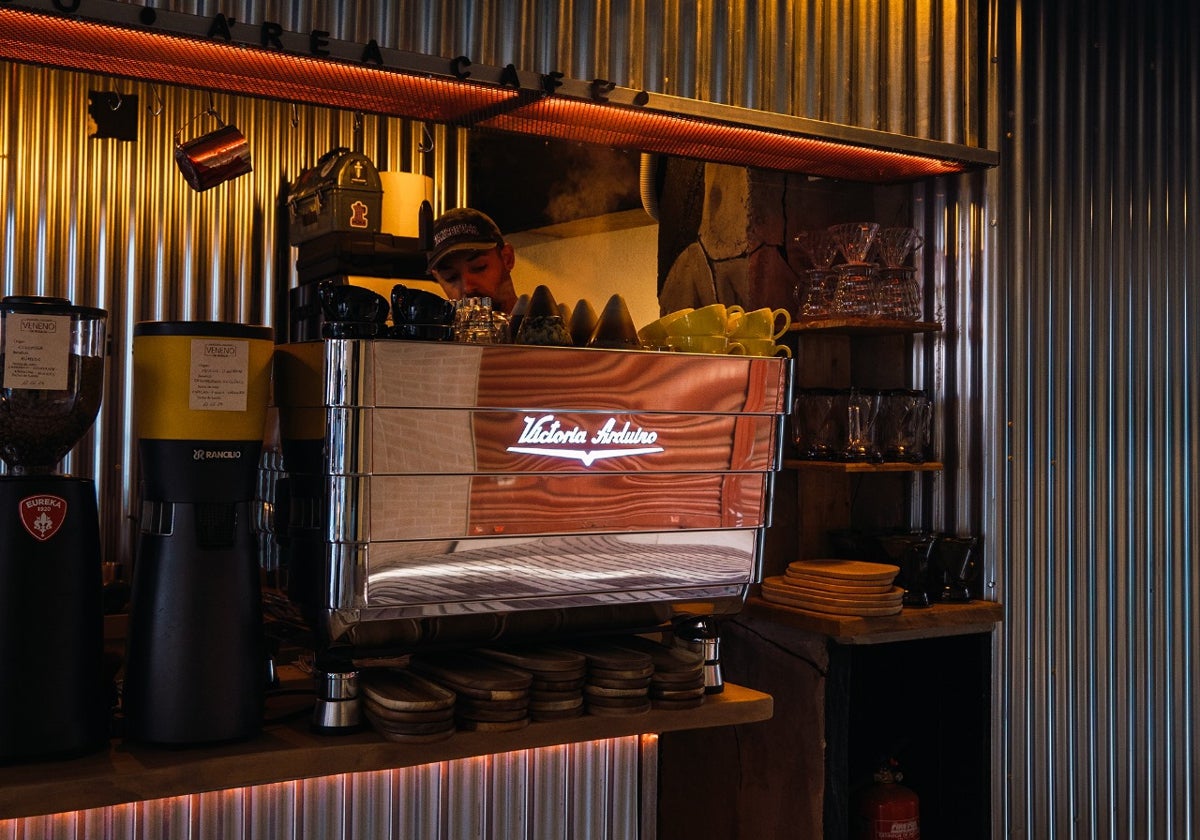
(816, 431)
(904, 422)
(861, 414)
(476, 322)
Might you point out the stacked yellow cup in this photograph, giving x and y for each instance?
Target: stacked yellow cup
(757, 330)
(704, 330)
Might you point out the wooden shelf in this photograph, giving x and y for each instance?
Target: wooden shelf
(864, 326)
(286, 751)
(910, 623)
(862, 466)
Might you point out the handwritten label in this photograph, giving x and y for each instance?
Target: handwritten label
(220, 375)
(37, 350)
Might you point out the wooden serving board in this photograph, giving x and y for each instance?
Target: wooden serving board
(893, 594)
(849, 587)
(540, 660)
(783, 595)
(404, 691)
(475, 677)
(846, 570)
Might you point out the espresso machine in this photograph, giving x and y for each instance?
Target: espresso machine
(197, 667)
(53, 698)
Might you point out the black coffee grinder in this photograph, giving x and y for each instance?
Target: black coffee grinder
(53, 698)
(197, 667)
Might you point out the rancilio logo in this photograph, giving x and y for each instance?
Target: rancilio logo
(546, 435)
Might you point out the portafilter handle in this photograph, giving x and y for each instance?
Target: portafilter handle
(702, 635)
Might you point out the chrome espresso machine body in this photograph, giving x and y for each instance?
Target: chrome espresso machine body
(451, 494)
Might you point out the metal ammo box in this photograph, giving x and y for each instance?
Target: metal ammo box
(341, 193)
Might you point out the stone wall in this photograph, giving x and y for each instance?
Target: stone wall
(725, 232)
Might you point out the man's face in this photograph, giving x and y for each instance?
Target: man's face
(478, 273)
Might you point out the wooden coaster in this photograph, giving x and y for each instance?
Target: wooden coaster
(842, 570)
(591, 691)
(404, 691)
(465, 702)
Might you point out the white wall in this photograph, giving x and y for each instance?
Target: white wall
(594, 260)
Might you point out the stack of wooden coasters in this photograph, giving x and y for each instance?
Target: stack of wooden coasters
(837, 587)
(678, 678)
(491, 697)
(556, 692)
(618, 679)
(407, 708)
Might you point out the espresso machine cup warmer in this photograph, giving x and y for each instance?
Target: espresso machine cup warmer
(54, 700)
(197, 667)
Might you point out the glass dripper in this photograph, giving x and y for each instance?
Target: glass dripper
(896, 243)
(855, 240)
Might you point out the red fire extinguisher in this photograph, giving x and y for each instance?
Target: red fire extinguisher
(887, 809)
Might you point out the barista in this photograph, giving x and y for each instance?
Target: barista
(470, 257)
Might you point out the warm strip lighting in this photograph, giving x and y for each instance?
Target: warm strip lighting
(282, 804)
(100, 48)
(653, 131)
(409, 88)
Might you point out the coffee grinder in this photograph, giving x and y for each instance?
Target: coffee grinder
(53, 697)
(197, 667)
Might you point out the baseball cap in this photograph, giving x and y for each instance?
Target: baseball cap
(462, 229)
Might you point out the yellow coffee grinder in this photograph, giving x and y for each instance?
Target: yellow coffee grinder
(197, 666)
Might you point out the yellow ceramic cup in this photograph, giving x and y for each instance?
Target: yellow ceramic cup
(760, 323)
(764, 347)
(707, 320)
(704, 344)
(655, 333)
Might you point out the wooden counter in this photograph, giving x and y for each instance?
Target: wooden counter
(285, 751)
(910, 623)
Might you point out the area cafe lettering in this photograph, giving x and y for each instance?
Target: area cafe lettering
(270, 35)
(545, 435)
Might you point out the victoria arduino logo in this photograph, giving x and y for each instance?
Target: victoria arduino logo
(546, 435)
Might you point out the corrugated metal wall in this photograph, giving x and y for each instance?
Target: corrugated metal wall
(113, 224)
(1099, 247)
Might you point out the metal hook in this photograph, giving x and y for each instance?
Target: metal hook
(157, 107)
(116, 106)
(295, 115)
(426, 144)
(358, 131)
